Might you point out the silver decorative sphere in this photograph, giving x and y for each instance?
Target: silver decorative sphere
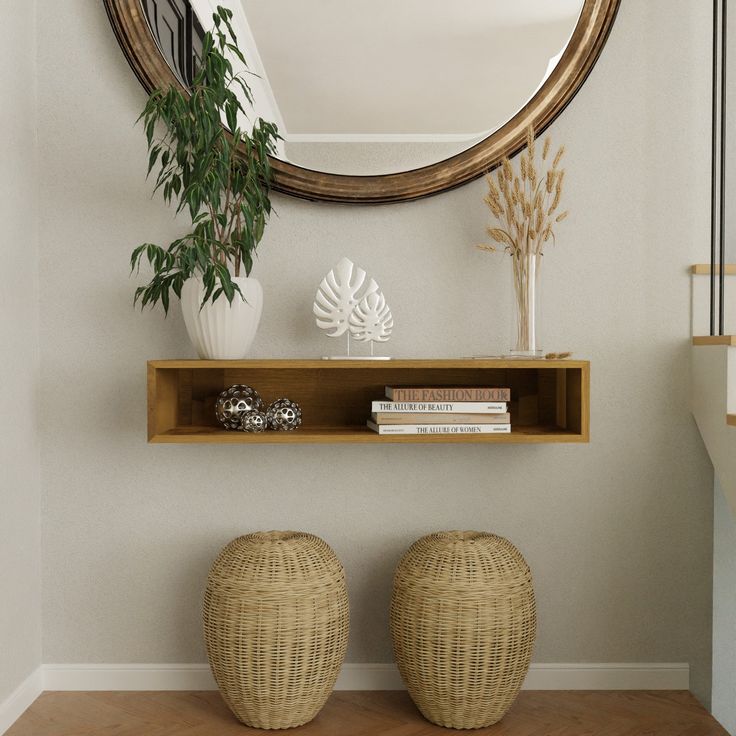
(284, 415)
(253, 421)
(234, 402)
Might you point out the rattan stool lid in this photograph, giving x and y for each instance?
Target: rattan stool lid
(460, 558)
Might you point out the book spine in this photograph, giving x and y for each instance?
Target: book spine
(448, 394)
(427, 417)
(448, 407)
(439, 428)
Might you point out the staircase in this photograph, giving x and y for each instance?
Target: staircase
(713, 380)
(713, 395)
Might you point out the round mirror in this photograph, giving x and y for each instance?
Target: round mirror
(378, 87)
(379, 101)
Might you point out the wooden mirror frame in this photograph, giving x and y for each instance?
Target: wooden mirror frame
(590, 34)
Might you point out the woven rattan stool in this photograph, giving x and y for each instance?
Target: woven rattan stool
(276, 626)
(463, 623)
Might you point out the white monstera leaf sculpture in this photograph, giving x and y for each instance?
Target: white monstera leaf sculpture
(371, 319)
(337, 296)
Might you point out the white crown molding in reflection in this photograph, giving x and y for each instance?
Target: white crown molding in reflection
(385, 137)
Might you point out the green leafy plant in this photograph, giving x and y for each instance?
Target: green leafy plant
(222, 178)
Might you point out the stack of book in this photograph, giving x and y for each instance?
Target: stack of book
(444, 410)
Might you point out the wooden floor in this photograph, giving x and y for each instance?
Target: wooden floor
(389, 713)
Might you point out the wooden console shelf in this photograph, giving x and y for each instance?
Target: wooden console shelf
(549, 398)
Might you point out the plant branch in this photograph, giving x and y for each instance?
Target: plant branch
(219, 178)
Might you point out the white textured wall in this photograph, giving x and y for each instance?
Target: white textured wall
(724, 612)
(20, 516)
(617, 532)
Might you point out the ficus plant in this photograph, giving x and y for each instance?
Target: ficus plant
(221, 177)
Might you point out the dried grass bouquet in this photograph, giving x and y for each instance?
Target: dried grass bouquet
(525, 203)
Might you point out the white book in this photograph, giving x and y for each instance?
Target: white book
(432, 429)
(446, 407)
(428, 417)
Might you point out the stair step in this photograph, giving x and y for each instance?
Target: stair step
(704, 268)
(715, 340)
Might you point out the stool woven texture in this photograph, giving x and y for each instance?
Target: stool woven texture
(463, 623)
(276, 626)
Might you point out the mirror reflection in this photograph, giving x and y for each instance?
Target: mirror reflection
(374, 86)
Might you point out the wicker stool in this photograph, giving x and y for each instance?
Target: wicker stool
(276, 626)
(463, 623)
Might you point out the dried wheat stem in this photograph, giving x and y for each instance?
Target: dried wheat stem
(558, 157)
(545, 150)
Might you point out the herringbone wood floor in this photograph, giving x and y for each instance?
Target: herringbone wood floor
(536, 713)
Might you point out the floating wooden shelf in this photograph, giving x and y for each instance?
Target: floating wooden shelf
(549, 398)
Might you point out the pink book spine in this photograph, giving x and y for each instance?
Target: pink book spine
(445, 393)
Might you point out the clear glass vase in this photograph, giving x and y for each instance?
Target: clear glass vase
(525, 341)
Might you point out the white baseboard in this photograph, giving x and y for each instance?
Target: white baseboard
(631, 676)
(128, 677)
(605, 676)
(369, 677)
(609, 676)
(13, 707)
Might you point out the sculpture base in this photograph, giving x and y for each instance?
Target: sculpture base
(510, 356)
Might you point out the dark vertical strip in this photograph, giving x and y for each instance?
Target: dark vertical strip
(713, 170)
(722, 206)
(188, 73)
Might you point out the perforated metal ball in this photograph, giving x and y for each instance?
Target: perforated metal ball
(253, 421)
(235, 402)
(284, 415)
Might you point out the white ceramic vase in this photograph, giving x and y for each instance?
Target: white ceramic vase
(222, 331)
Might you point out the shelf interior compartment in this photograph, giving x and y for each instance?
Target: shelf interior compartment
(336, 397)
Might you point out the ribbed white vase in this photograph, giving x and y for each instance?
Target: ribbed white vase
(222, 331)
